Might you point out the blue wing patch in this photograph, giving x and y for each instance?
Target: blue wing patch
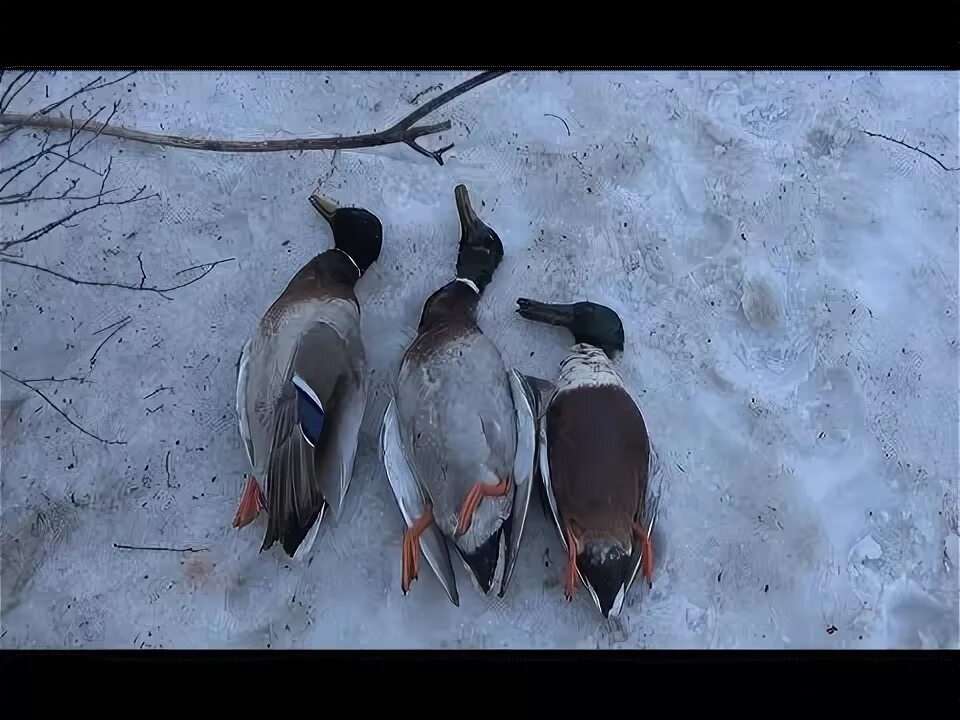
(309, 411)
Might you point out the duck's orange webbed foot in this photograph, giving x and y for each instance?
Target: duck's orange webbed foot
(410, 550)
(570, 575)
(479, 491)
(250, 504)
(644, 537)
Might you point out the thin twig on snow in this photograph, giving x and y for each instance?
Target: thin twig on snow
(561, 120)
(80, 380)
(161, 291)
(163, 549)
(38, 233)
(119, 326)
(62, 413)
(911, 147)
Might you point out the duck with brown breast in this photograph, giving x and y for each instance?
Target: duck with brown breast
(595, 457)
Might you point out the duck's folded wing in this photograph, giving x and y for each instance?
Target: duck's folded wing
(295, 502)
(525, 403)
(307, 473)
(337, 450)
(546, 393)
(412, 501)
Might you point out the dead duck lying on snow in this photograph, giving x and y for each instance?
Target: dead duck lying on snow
(458, 439)
(595, 457)
(301, 387)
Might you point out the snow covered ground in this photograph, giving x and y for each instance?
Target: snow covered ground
(788, 285)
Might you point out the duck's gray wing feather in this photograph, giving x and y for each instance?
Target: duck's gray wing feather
(412, 501)
(344, 401)
(303, 480)
(546, 394)
(525, 405)
(336, 459)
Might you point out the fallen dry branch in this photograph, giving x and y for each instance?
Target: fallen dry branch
(401, 132)
(66, 417)
(141, 287)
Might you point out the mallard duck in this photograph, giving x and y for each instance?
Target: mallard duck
(458, 438)
(301, 387)
(595, 457)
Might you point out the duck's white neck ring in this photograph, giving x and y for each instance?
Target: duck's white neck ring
(470, 283)
(352, 261)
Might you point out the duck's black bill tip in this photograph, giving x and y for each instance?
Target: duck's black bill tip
(545, 312)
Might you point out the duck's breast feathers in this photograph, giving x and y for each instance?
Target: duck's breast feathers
(599, 456)
(587, 366)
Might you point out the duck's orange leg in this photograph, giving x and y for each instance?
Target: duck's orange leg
(479, 491)
(250, 504)
(644, 537)
(570, 575)
(410, 551)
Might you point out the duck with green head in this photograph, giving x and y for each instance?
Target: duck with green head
(301, 387)
(458, 439)
(595, 457)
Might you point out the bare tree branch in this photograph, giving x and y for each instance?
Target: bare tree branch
(97, 83)
(401, 132)
(141, 287)
(7, 98)
(51, 226)
(62, 413)
(74, 133)
(99, 199)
